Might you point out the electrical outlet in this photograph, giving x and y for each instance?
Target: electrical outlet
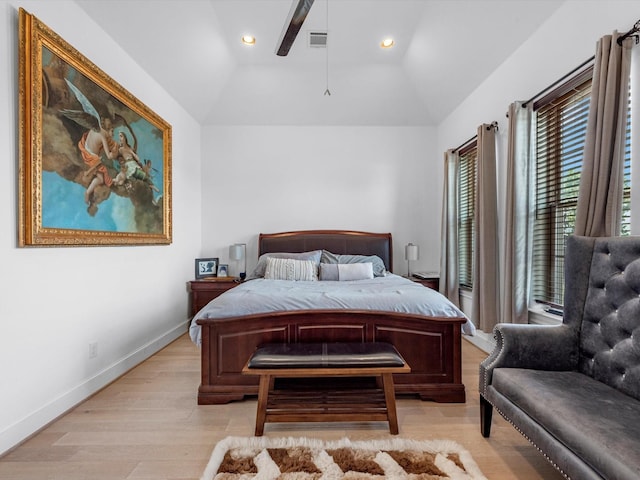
(93, 349)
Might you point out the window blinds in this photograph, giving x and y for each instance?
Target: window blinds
(561, 124)
(466, 204)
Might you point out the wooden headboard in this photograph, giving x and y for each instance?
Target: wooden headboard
(335, 241)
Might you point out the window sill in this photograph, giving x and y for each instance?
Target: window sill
(537, 315)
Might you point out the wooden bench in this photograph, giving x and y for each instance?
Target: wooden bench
(312, 360)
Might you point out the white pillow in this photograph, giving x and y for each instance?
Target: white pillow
(291, 269)
(355, 271)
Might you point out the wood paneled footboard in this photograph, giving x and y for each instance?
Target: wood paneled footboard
(431, 347)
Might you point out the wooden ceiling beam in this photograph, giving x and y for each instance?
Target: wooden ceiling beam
(296, 18)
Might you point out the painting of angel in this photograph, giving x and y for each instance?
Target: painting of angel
(96, 169)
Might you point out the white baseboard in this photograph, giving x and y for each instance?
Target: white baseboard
(24, 428)
(484, 341)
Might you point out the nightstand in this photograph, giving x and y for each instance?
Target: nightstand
(202, 292)
(431, 282)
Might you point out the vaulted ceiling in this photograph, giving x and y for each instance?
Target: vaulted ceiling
(443, 50)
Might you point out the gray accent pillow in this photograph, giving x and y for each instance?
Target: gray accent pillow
(342, 272)
(258, 272)
(379, 269)
(329, 271)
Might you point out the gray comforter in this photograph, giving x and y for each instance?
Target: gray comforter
(389, 293)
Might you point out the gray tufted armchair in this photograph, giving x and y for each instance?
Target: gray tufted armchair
(573, 390)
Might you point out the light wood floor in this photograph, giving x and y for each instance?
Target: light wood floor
(147, 425)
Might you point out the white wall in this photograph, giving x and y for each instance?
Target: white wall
(270, 179)
(55, 301)
(562, 43)
(244, 180)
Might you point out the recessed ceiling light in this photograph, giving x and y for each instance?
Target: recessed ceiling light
(248, 39)
(387, 43)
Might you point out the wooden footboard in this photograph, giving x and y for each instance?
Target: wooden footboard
(431, 347)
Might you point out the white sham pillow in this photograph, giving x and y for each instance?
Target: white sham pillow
(291, 269)
(258, 272)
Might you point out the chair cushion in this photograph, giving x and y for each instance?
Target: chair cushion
(597, 422)
(325, 355)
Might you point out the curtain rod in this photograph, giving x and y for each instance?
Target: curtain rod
(631, 33)
(560, 80)
(465, 143)
(493, 124)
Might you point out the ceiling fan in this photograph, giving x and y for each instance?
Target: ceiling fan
(297, 15)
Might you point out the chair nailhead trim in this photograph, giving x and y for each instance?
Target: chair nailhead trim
(554, 464)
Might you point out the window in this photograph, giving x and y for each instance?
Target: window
(466, 204)
(561, 122)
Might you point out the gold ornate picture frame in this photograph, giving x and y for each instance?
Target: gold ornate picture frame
(95, 162)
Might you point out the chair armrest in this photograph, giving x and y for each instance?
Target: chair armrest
(538, 347)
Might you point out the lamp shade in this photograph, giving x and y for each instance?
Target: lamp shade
(411, 252)
(236, 252)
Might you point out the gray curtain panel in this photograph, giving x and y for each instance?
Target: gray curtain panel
(486, 281)
(449, 282)
(519, 214)
(599, 208)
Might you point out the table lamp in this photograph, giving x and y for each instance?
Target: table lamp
(410, 253)
(238, 253)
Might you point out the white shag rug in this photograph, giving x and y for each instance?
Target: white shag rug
(264, 458)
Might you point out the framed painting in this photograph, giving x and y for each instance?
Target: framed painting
(95, 162)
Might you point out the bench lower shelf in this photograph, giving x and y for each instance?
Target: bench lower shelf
(326, 406)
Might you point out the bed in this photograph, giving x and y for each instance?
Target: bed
(228, 333)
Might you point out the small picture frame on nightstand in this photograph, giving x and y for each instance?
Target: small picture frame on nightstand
(206, 267)
(223, 270)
